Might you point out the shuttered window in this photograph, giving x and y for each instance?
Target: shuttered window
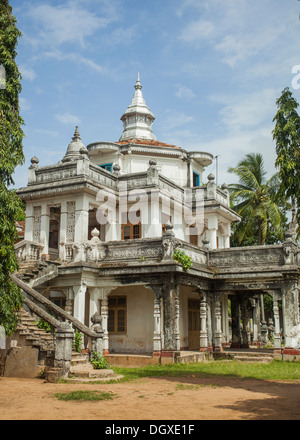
(117, 314)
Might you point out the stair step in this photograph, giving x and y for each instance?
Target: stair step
(90, 372)
(253, 358)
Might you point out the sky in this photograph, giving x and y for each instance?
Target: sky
(211, 72)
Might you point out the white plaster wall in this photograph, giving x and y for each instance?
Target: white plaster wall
(140, 322)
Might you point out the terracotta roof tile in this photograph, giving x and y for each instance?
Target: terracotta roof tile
(146, 142)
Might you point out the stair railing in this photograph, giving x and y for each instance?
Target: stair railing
(45, 309)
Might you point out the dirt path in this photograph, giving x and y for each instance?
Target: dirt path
(187, 398)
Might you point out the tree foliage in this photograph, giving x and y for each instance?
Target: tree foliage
(256, 199)
(11, 155)
(287, 136)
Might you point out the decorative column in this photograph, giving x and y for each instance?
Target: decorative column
(103, 293)
(170, 323)
(255, 318)
(104, 314)
(44, 227)
(67, 228)
(263, 326)
(209, 323)
(290, 310)
(277, 336)
(245, 341)
(218, 329)
(225, 320)
(235, 322)
(177, 317)
(203, 324)
(157, 342)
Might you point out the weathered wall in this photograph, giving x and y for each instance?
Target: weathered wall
(140, 322)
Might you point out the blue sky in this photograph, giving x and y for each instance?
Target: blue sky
(211, 72)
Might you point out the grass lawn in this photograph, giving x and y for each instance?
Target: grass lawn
(275, 370)
(84, 395)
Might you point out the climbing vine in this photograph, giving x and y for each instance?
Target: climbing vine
(183, 259)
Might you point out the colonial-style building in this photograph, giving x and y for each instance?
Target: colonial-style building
(109, 220)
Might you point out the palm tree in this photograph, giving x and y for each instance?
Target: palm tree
(254, 199)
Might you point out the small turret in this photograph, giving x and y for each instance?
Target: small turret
(73, 151)
(137, 119)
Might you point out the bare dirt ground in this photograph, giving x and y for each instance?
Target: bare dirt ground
(189, 398)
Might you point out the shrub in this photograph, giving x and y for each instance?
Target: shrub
(183, 259)
(99, 362)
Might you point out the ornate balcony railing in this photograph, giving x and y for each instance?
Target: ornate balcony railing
(28, 251)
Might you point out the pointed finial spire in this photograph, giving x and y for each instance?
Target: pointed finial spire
(76, 136)
(138, 84)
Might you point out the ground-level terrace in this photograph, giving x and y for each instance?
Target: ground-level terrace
(148, 303)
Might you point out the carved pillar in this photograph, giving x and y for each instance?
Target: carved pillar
(102, 294)
(255, 318)
(235, 322)
(37, 218)
(67, 227)
(244, 317)
(218, 329)
(157, 342)
(177, 317)
(277, 336)
(209, 322)
(104, 314)
(44, 231)
(290, 311)
(171, 319)
(263, 326)
(203, 324)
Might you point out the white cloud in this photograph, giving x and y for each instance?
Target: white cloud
(68, 23)
(248, 111)
(196, 31)
(46, 132)
(235, 145)
(244, 45)
(176, 119)
(185, 93)
(76, 58)
(68, 119)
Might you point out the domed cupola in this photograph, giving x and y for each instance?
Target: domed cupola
(73, 151)
(137, 119)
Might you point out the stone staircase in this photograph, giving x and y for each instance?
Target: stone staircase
(260, 355)
(29, 334)
(34, 273)
(29, 331)
(82, 371)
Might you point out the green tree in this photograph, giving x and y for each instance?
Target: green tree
(11, 155)
(287, 136)
(255, 199)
